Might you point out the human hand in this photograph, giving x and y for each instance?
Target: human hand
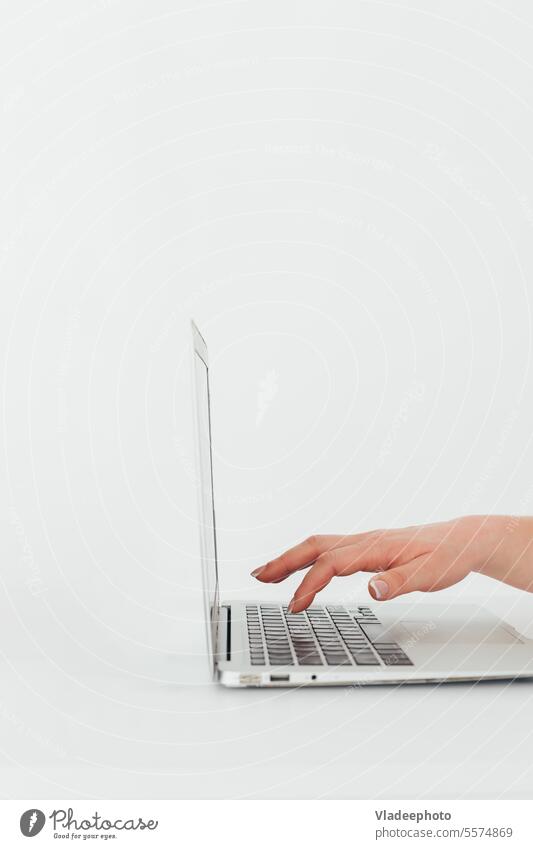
(424, 558)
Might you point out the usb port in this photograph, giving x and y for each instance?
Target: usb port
(279, 678)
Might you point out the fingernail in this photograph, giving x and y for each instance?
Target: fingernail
(290, 606)
(257, 572)
(380, 589)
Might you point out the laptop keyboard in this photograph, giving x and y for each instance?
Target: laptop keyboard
(320, 636)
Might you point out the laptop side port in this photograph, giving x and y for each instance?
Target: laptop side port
(279, 678)
(250, 680)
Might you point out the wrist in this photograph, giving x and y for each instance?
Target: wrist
(505, 549)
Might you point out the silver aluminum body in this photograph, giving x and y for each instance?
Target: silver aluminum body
(463, 643)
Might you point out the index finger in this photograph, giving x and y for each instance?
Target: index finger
(299, 557)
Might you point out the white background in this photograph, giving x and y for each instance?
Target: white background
(341, 194)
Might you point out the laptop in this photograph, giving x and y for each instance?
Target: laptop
(258, 643)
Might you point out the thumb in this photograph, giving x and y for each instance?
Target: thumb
(421, 574)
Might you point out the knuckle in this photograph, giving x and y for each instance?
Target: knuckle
(328, 559)
(314, 542)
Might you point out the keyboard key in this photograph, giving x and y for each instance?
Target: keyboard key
(365, 659)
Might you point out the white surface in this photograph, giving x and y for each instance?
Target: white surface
(102, 721)
(341, 193)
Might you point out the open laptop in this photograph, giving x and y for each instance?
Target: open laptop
(259, 643)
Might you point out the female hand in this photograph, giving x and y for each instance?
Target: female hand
(424, 558)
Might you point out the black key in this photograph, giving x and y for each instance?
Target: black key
(397, 661)
(396, 651)
(338, 661)
(393, 653)
(365, 659)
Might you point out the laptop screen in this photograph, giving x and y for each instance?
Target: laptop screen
(204, 459)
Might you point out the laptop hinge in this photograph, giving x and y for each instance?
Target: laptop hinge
(224, 630)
